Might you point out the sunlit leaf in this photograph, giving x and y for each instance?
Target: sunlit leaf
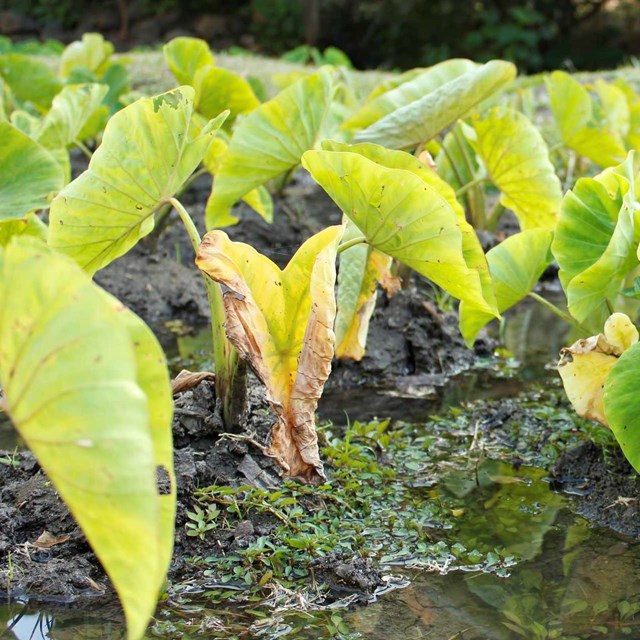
(219, 89)
(402, 214)
(29, 175)
(620, 399)
(517, 161)
(515, 264)
(594, 242)
(31, 225)
(281, 322)
(259, 199)
(184, 56)
(361, 267)
(271, 140)
(91, 53)
(30, 80)
(96, 413)
(413, 87)
(573, 112)
(69, 113)
(425, 117)
(148, 151)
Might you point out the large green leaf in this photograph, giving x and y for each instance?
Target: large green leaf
(594, 242)
(471, 248)
(271, 140)
(96, 413)
(517, 161)
(516, 264)
(402, 215)
(579, 130)
(621, 402)
(91, 53)
(219, 89)
(30, 80)
(422, 119)
(148, 151)
(70, 111)
(31, 225)
(415, 87)
(185, 56)
(29, 175)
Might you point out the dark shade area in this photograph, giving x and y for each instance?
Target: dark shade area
(535, 34)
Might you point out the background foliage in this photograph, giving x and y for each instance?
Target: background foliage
(535, 34)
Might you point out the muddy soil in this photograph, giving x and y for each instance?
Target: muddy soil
(605, 486)
(64, 569)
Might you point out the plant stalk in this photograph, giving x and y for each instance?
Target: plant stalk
(470, 185)
(351, 243)
(559, 312)
(494, 215)
(230, 370)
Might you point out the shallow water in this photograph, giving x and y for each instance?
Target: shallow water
(553, 576)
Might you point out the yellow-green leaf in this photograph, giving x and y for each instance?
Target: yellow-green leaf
(361, 267)
(419, 121)
(515, 264)
(69, 113)
(281, 322)
(579, 130)
(271, 140)
(91, 53)
(29, 175)
(594, 242)
(517, 161)
(30, 225)
(148, 151)
(414, 87)
(219, 89)
(400, 213)
(30, 80)
(96, 413)
(184, 56)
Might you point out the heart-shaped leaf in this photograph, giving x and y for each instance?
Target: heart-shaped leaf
(516, 265)
(620, 403)
(403, 213)
(184, 56)
(281, 322)
(414, 87)
(579, 130)
(148, 151)
(517, 161)
(219, 89)
(92, 53)
(594, 242)
(425, 117)
(69, 113)
(96, 413)
(29, 174)
(30, 80)
(271, 140)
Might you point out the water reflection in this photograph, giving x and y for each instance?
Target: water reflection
(573, 582)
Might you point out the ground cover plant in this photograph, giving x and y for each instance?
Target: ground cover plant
(402, 213)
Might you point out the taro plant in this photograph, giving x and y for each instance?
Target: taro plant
(600, 122)
(595, 245)
(96, 413)
(504, 148)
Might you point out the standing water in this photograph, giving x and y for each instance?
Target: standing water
(510, 561)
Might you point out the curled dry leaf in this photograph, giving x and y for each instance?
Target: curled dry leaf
(585, 365)
(281, 322)
(47, 540)
(186, 380)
